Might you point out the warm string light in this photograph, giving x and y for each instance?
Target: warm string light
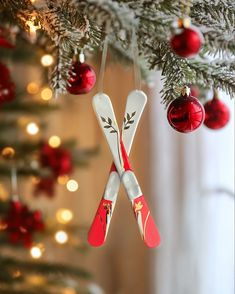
(46, 94)
(62, 180)
(32, 88)
(33, 25)
(64, 216)
(32, 128)
(72, 185)
(36, 251)
(47, 60)
(61, 237)
(54, 141)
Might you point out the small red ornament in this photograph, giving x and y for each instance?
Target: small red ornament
(7, 87)
(217, 114)
(82, 78)
(20, 223)
(45, 186)
(58, 159)
(185, 114)
(187, 43)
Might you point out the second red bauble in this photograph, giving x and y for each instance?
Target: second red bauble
(217, 114)
(187, 43)
(82, 79)
(185, 114)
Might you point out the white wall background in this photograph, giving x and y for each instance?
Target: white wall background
(193, 187)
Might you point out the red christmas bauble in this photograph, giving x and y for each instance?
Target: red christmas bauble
(187, 43)
(45, 186)
(4, 73)
(217, 114)
(20, 223)
(7, 92)
(58, 159)
(82, 78)
(7, 87)
(185, 114)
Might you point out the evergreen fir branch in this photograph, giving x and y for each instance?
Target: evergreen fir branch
(19, 106)
(43, 268)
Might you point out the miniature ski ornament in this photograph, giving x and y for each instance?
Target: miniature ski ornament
(136, 102)
(105, 114)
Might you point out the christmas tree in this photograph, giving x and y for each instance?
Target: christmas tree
(29, 155)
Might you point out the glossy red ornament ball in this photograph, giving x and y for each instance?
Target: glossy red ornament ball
(82, 78)
(217, 114)
(185, 114)
(187, 43)
(7, 87)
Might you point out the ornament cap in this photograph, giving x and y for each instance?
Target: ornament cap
(184, 22)
(216, 94)
(185, 91)
(81, 57)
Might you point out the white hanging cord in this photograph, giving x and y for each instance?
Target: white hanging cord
(135, 51)
(102, 66)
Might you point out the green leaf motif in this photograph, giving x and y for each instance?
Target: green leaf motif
(133, 113)
(113, 131)
(103, 119)
(128, 116)
(126, 127)
(107, 127)
(109, 121)
(131, 121)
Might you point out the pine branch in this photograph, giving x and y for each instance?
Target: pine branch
(19, 106)
(43, 268)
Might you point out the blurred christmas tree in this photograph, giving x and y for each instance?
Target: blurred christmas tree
(28, 236)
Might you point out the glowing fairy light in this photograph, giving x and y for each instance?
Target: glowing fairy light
(64, 216)
(46, 94)
(72, 185)
(47, 60)
(32, 128)
(61, 237)
(62, 180)
(32, 88)
(36, 252)
(54, 141)
(33, 26)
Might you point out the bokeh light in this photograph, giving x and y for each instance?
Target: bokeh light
(72, 185)
(54, 141)
(64, 216)
(61, 237)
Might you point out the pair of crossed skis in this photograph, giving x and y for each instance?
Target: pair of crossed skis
(121, 171)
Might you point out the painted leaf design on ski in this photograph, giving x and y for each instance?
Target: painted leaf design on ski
(108, 124)
(138, 206)
(128, 120)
